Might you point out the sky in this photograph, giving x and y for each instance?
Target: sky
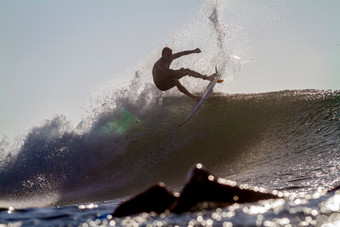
(55, 54)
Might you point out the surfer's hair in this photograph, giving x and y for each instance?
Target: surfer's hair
(166, 50)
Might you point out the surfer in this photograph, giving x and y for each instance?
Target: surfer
(166, 78)
(203, 190)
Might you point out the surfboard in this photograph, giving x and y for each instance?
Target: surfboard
(205, 95)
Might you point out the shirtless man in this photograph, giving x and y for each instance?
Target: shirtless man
(166, 78)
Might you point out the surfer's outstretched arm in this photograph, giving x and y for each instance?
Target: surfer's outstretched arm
(180, 54)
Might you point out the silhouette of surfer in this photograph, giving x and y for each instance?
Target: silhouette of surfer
(166, 78)
(203, 190)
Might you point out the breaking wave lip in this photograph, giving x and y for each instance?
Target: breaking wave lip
(236, 136)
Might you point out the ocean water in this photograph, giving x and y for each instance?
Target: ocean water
(286, 141)
(129, 139)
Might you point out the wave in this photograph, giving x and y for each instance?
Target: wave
(252, 138)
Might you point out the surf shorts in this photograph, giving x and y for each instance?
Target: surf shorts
(167, 85)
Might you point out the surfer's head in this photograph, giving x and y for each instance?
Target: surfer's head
(166, 53)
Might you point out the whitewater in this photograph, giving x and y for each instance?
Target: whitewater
(129, 139)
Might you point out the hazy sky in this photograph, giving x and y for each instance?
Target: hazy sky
(297, 45)
(53, 54)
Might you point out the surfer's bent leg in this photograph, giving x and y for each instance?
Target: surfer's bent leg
(182, 89)
(200, 76)
(188, 72)
(195, 74)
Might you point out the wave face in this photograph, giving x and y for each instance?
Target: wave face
(280, 140)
